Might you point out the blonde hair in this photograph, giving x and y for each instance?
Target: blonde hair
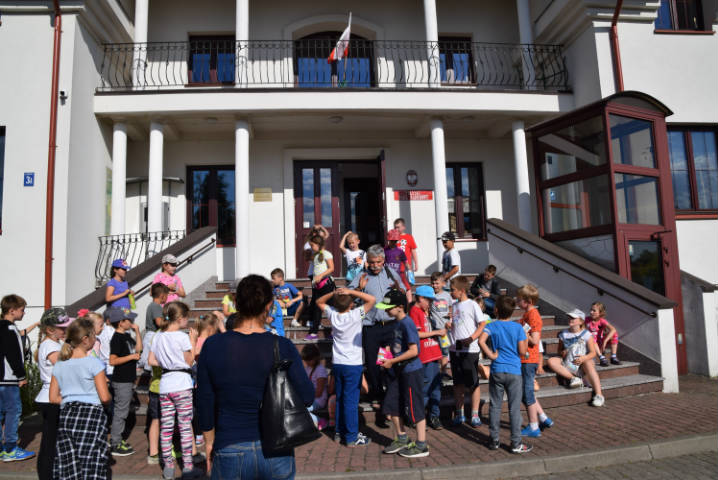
(173, 311)
(207, 321)
(601, 307)
(460, 283)
(352, 235)
(529, 293)
(93, 316)
(79, 329)
(41, 337)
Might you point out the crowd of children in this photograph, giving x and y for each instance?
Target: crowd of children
(88, 367)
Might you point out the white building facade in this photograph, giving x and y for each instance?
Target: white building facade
(179, 114)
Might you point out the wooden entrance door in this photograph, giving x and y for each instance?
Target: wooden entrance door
(316, 201)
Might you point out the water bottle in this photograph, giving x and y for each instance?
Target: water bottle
(133, 305)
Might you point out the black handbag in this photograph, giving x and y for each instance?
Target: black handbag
(284, 421)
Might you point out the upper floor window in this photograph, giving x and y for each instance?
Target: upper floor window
(694, 168)
(680, 15)
(314, 70)
(2, 169)
(211, 59)
(465, 191)
(456, 60)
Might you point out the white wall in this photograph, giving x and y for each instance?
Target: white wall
(697, 240)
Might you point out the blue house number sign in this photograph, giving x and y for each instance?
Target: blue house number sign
(29, 179)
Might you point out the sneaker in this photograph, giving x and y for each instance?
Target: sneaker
(153, 459)
(615, 361)
(17, 454)
(548, 423)
(361, 441)
(121, 450)
(311, 336)
(527, 432)
(337, 438)
(168, 473)
(193, 472)
(475, 421)
(604, 362)
(412, 451)
(521, 448)
(2, 454)
(493, 445)
(435, 423)
(322, 424)
(395, 446)
(199, 457)
(294, 323)
(576, 382)
(458, 420)
(598, 401)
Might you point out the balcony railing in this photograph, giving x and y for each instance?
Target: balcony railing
(267, 64)
(134, 248)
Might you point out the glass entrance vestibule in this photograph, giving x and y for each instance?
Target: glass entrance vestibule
(604, 192)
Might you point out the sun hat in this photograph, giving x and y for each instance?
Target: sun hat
(425, 291)
(393, 298)
(120, 263)
(116, 315)
(576, 313)
(169, 258)
(55, 317)
(393, 234)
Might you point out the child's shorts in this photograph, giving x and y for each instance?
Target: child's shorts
(528, 373)
(404, 395)
(614, 340)
(444, 351)
(465, 369)
(153, 406)
(293, 308)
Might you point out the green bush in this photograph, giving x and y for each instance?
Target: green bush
(30, 391)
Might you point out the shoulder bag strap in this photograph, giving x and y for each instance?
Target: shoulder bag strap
(276, 351)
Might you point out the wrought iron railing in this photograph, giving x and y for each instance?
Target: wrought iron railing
(390, 64)
(134, 248)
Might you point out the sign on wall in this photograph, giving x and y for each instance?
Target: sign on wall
(412, 195)
(262, 194)
(28, 179)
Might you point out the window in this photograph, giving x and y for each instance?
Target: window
(694, 168)
(313, 70)
(465, 188)
(680, 15)
(211, 59)
(2, 169)
(576, 205)
(210, 194)
(456, 64)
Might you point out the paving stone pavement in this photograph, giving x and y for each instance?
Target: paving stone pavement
(578, 429)
(699, 466)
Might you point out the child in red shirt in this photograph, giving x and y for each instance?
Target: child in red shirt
(603, 332)
(429, 352)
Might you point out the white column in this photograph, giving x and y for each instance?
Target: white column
(521, 167)
(241, 36)
(154, 178)
(441, 199)
(526, 38)
(119, 178)
(432, 38)
(241, 198)
(139, 54)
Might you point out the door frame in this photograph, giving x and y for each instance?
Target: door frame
(289, 156)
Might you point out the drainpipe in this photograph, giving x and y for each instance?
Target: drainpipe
(617, 71)
(52, 146)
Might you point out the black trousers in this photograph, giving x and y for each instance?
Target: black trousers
(314, 309)
(46, 457)
(378, 335)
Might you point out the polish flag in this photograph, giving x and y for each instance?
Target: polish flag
(342, 48)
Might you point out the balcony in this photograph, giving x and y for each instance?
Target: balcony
(302, 64)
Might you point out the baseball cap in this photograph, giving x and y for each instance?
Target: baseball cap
(425, 291)
(393, 234)
(116, 315)
(169, 258)
(447, 236)
(393, 298)
(576, 313)
(120, 263)
(55, 317)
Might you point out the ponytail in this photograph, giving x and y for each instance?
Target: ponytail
(65, 351)
(173, 311)
(40, 337)
(79, 329)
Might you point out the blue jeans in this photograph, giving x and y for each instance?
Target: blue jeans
(499, 383)
(245, 460)
(10, 410)
(347, 384)
(528, 372)
(432, 388)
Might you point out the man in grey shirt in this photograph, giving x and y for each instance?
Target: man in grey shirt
(378, 330)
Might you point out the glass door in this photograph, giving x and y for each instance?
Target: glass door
(210, 198)
(316, 201)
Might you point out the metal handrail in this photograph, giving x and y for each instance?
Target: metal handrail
(370, 64)
(134, 248)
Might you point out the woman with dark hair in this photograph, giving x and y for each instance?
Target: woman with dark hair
(232, 372)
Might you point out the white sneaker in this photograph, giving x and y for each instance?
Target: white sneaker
(295, 323)
(598, 401)
(576, 382)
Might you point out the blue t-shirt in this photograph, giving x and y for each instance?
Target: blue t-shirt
(285, 292)
(76, 379)
(505, 336)
(278, 323)
(120, 287)
(404, 335)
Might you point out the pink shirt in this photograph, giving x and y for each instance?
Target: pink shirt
(597, 328)
(168, 280)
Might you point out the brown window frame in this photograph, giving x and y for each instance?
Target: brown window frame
(459, 200)
(690, 161)
(676, 27)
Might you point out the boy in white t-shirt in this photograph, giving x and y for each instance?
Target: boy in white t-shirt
(347, 358)
(355, 256)
(450, 261)
(467, 323)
